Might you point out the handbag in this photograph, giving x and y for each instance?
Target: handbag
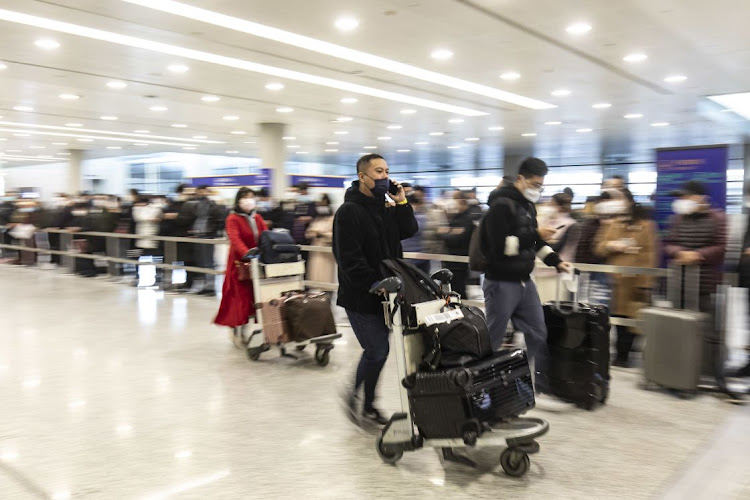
(243, 270)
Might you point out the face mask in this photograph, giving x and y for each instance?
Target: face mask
(547, 211)
(532, 194)
(304, 198)
(381, 186)
(263, 206)
(323, 210)
(613, 207)
(247, 204)
(684, 207)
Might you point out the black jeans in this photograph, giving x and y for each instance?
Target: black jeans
(372, 334)
(460, 273)
(625, 339)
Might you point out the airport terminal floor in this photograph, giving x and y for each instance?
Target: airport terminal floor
(111, 391)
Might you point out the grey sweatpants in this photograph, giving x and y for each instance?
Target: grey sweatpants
(518, 301)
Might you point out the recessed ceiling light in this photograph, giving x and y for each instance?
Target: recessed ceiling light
(561, 93)
(341, 132)
(437, 133)
(632, 116)
(408, 111)
(349, 100)
(158, 108)
(116, 84)
(471, 139)
(114, 147)
(284, 110)
(346, 23)
(636, 57)
(553, 123)
(37, 147)
(342, 119)
(238, 132)
(456, 120)
(421, 143)
(3, 66)
(230, 118)
(231, 152)
(28, 109)
(453, 147)
(63, 154)
(601, 105)
(274, 86)
(47, 44)
(200, 137)
(331, 143)
(189, 148)
(510, 76)
(441, 54)
(584, 130)
(85, 140)
(45, 156)
(394, 127)
(59, 143)
(660, 124)
(496, 128)
(578, 29)
(249, 142)
(331, 150)
(301, 152)
(675, 78)
(140, 144)
(210, 98)
(293, 146)
(528, 134)
(69, 97)
(141, 131)
(403, 150)
(110, 118)
(384, 138)
(288, 138)
(74, 124)
(369, 147)
(179, 125)
(177, 68)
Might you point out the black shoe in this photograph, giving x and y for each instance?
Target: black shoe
(374, 417)
(621, 362)
(349, 404)
(208, 293)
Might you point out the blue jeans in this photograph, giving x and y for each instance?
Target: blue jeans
(518, 301)
(372, 335)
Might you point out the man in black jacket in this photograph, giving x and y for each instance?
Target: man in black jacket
(511, 242)
(365, 232)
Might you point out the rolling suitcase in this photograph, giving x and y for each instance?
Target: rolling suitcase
(274, 327)
(308, 315)
(456, 403)
(578, 341)
(674, 336)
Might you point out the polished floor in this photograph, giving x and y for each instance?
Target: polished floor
(110, 392)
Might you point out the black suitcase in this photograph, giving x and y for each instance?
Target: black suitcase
(278, 247)
(455, 403)
(578, 341)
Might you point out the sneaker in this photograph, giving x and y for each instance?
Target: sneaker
(547, 402)
(374, 417)
(349, 403)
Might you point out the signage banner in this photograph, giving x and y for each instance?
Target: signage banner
(259, 180)
(320, 181)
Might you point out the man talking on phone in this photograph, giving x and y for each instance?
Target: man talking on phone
(367, 230)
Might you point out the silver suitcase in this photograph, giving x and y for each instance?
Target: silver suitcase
(674, 336)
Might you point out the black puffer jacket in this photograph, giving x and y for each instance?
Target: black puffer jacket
(510, 240)
(365, 232)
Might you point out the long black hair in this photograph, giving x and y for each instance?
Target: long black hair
(241, 193)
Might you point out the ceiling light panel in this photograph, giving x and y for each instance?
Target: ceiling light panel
(137, 134)
(81, 137)
(739, 103)
(330, 49)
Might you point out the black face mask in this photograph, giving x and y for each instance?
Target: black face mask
(381, 186)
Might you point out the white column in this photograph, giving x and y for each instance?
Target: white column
(74, 173)
(273, 156)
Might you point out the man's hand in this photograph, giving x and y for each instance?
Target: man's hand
(458, 230)
(688, 258)
(443, 230)
(546, 232)
(565, 267)
(401, 196)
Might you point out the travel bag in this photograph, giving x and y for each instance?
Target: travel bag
(274, 327)
(416, 287)
(458, 342)
(308, 315)
(578, 341)
(457, 402)
(278, 246)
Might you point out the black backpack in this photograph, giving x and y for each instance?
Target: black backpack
(417, 287)
(278, 246)
(462, 341)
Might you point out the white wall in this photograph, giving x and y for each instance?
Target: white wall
(48, 178)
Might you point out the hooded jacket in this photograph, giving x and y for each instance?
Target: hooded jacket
(510, 240)
(365, 232)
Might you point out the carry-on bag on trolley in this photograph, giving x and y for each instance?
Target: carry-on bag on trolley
(417, 287)
(673, 353)
(457, 343)
(578, 341)
(274, 327)
(308, 315)
(278, 247)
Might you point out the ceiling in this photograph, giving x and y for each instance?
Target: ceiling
(704, 41)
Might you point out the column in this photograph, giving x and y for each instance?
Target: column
(512, 160)
(75, 173)
(273, 156)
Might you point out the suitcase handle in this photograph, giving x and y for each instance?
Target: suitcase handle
(683, 286)
(576, 279)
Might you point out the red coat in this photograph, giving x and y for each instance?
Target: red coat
(237, 296)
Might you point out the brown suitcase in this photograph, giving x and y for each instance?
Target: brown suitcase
(308, 315)
(274, 327)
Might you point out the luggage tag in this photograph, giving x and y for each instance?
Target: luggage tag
(445, 317)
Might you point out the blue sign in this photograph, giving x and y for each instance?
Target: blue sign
(675, 166)
(319, 181)
(262, 180)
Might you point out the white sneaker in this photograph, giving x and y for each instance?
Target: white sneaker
(546, 402)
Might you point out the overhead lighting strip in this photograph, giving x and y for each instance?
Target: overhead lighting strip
(4, 157)
(94, 137)
(124, 134)
(338, 51)
(197, 55)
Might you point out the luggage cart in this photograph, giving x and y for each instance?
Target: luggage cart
(269, 282)
(518, 435)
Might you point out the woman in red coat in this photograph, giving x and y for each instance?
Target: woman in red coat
(243, 228)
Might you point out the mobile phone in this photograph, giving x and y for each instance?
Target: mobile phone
(560, 227)
(393, 189)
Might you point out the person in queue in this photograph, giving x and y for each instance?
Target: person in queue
(243, 226)
(365, 232)
(456, 238)
(511, 241)
(626, 239)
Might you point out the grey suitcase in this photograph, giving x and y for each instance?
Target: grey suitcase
(674, 336)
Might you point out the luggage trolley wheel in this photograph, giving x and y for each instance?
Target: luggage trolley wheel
(301, 347)
(322, 355)
(388, 454)
(515, 462)
(253, 353)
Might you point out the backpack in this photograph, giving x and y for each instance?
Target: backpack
(416, 287)
(278, 246)
(477, 259)
(454, 344)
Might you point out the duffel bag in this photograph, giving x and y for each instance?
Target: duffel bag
(457, 343)
(277, 247)
(308, 315)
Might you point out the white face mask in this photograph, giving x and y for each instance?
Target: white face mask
(547, 211)
(532, 194)
(247, 204)
(684, 207)
(613, 207)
